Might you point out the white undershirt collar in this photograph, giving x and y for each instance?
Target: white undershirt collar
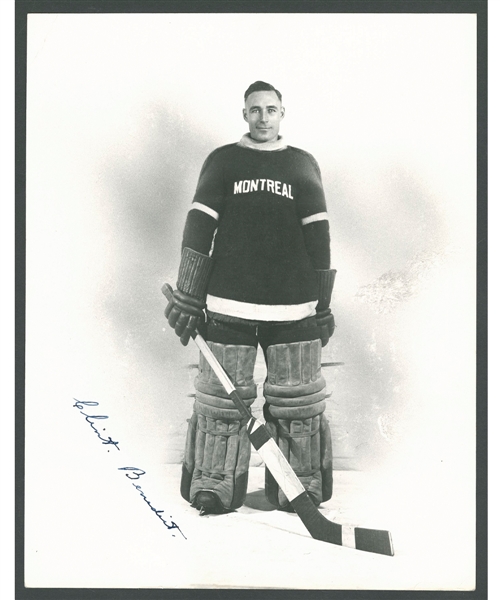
(247, 142)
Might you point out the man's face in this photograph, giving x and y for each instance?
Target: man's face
(263, 113)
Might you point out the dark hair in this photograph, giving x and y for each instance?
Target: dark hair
(261, 86)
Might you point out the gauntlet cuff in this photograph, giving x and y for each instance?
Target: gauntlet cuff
(194, 273)
(326, 279)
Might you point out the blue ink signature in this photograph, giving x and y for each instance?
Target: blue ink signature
(80, 404)
(137, 473)
(133, 473)
(159, 512)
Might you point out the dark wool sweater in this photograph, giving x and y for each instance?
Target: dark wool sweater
(269, 213)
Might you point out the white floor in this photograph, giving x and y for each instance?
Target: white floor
(88, 526)
(108, 536)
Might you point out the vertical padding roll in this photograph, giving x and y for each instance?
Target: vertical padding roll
(293, 366)
(241, 468)
(326, 454)
(306, 357)
(220, 446)
(218, 455)
(189, 457)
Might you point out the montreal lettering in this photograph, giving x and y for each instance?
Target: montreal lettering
(255, 185)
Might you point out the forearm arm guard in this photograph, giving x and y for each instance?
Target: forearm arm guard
(324, 317)
(194, 273)
(326, 279)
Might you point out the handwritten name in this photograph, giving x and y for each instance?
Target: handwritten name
(80, 404)
(132, 473)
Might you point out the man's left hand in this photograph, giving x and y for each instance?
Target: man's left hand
(326, 324)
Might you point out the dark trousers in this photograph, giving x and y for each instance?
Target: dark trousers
(252, 333)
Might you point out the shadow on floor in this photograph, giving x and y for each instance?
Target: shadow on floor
(258, 501)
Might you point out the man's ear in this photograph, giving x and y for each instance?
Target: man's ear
(245, 114)
(282, 112)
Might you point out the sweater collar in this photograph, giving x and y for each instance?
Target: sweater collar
(247, 142)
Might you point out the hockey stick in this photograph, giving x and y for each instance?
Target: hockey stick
(320, 528)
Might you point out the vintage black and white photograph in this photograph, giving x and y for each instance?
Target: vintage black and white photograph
(251, 300)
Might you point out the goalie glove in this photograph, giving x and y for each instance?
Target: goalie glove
(185, 310)
(324, 317)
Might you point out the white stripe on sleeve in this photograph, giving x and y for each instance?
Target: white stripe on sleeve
(206, 209)
(323, 216)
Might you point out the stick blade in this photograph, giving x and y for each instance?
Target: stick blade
(320, 528)
(374, 540)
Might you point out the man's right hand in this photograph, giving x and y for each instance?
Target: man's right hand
(184, 313)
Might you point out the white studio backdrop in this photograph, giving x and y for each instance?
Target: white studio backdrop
(121, 112)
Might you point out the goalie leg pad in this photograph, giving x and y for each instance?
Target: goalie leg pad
(218, 450)
(294, 412)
